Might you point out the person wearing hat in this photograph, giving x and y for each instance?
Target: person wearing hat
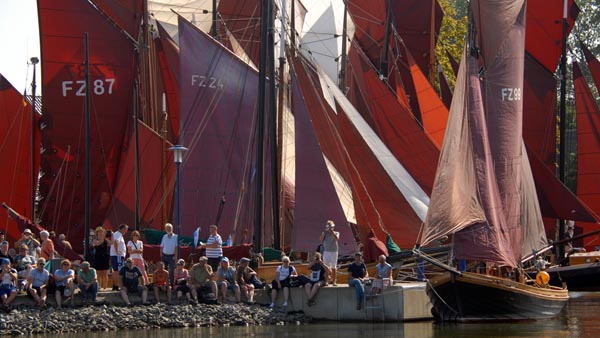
(8, 278)
(27, 238)
(87, 282)
(181, 280)
(244, 275)
(130, 282)
(64, 278)
(329, 239)
(202, 284)
(358, 273)
(226, 280)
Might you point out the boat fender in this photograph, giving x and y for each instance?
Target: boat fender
(542, 278)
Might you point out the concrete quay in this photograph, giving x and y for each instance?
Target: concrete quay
(403, 301)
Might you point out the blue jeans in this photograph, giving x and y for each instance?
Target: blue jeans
(93, 290)
(359, 287)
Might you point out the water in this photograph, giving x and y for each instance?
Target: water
(581, 318)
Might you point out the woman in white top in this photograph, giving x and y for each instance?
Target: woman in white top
(283, 275)
(135, 247)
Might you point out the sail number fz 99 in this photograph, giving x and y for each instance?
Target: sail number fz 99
(206, 81)
(99, 87)
(511, 94)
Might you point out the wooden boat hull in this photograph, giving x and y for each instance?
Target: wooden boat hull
(580, 277)
(475, 297)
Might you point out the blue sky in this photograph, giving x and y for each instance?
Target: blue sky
(19, 41)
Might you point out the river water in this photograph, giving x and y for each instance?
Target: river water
(580, 318)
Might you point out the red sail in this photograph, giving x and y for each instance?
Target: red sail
(593, 64)
(412, 20)
(62, 27)
(378, 203)
(126, 14)
(242, 19)
(313, 179)
(588, 146)
(168, 57)
(544, 30)
(393, 122)
(15, 152)
(156, 177)
(218, 109)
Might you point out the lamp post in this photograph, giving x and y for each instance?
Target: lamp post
(178, 151)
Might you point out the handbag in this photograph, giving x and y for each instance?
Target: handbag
(320, 248)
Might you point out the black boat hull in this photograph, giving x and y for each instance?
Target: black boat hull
(475, 297)
(580, 277)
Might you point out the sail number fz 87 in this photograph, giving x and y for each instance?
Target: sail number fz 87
(511, 94)
(206, 81)
(98, 86)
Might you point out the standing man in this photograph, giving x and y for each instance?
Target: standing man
(117, 254)
(330, 239)
(28, 239)
(168, 247)
(214, 247)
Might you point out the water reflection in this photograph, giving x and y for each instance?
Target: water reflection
(580, 319)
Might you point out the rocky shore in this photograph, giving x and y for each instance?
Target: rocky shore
(28, 320)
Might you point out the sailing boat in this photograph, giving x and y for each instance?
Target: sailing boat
(581, 270)
(483, 193)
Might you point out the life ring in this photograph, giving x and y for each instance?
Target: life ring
(542, 278)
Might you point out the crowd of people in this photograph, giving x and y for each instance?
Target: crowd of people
(210, 280)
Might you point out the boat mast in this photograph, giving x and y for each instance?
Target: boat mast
(383, 68)
(214, 20)
(260, 126)
(34, 61)
(432, 44)
(88, 161)
(136, 113)
(277, 133)
(343, 58)
(562, 117)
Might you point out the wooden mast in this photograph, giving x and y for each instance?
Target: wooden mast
(562, 116)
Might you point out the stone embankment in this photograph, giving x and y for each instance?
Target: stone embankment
(25, 320)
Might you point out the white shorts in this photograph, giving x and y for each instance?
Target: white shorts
(330, 259)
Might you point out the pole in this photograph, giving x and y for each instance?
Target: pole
(136, 110)
(342, 75)
(88, 159)
(178, 164)
(383, 68)
(214, 19)
(562, 118)
(34, 62)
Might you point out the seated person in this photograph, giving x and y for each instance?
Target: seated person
(130, 275)
(283, 276)
(384, 270)
(87, 282)
(180, 280)
(244, 275)
(37, 283)
(201, 279)
(64, 279)
(226, 280)
(319, 273)
(161, 282)
(8, 278)
(358, 272)
(23, 258)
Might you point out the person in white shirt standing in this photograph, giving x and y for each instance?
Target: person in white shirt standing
(214, 247)
(168, 247)
(117, 254)
(330, 238)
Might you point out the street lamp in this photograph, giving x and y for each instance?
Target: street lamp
(178, 151)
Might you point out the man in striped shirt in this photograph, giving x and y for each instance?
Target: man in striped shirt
(213, 246)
